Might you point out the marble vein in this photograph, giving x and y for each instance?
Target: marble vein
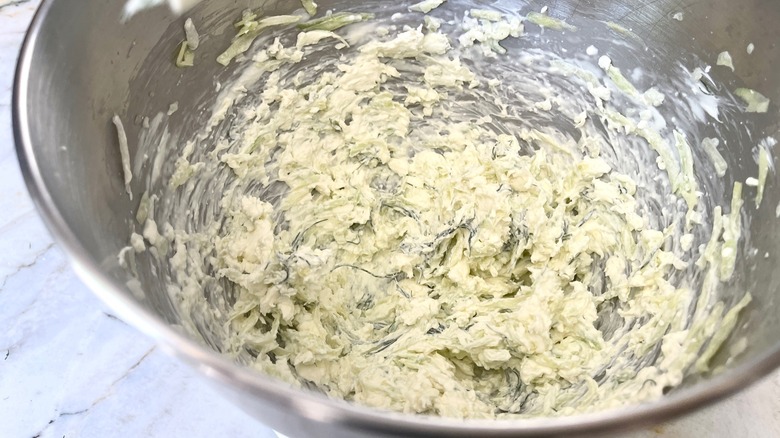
(108, 392)
(113, 384)
(10, 3)
(14, 221)
(24, 266)
(114, 317)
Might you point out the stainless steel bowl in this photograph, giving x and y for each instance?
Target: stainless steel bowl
(79, 66)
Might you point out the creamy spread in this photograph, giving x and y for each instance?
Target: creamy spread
(401, 227)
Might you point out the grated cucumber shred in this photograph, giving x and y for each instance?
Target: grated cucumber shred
(489, 33)
(191, 34)
(249, 30)
(426, 6)
(315, 36)
(185, 57)
(726, 326)
(732, 230)
(124, 154)
(688, 185)
(710, 255)
(335, 21)
(545, 20)
(431, 23)
(724, 59)
(617, 28)
(763, 170)
(710, 146)
(756, 102)
(310, 7)
(484, 14)
(617, 77)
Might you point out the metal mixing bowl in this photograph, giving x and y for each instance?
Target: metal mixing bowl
(79, 66)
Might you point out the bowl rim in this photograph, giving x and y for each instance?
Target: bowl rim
(315, 407)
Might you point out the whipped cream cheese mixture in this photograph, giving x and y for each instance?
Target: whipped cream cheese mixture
(422, 219)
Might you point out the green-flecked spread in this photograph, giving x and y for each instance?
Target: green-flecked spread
(397, 253)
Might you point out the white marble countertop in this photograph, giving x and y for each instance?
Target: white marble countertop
(69, 368)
